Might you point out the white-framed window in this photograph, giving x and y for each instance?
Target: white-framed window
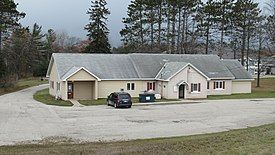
(208, 85)
(151, 86)
(195, 87)
(219, 85)
(131, 86)
(58, 86)
(52, 84)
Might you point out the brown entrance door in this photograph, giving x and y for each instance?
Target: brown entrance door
(181, 91)
(70, 90)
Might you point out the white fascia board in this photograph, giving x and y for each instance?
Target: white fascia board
(78, 71)
(131, 79)
(244, 80)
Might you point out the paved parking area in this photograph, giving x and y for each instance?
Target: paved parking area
(23, 119)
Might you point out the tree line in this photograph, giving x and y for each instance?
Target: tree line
(26, 51)
(194, 26)
(156, 26)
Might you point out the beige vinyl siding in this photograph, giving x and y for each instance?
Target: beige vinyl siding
(53, 78)
(241, 87)
(105, 88)
(189, 75)
(82, 75)
(84, 85)
(226, 91)
(63, 89)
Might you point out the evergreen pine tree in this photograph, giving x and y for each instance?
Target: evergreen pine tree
(36, 51)
(224, 15)
(134, 31)
(206, 18)
(97, 28)
(9, 16)
(49, 45)
(244, 13)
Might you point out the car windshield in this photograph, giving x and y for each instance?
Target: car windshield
(124, 96)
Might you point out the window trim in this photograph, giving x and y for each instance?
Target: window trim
(198, 87)
(151, 86)
(128, 86)
(131, 86)
(219, 85)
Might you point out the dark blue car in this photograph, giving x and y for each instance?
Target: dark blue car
(119, 100)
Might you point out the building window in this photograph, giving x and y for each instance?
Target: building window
(151, 86)
(130, 86)
(219, 85)
(208, 85)
(58, 86)
(52, 84)
(195, 87)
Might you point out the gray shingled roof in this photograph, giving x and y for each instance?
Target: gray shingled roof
(70, 72)
(137, 66)
(170, 69)
(148, 65)
(237, 69)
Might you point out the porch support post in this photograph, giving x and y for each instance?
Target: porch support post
(96, 90)
(66, 91)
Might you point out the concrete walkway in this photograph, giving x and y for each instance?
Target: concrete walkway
(76, 103)
(23, 119)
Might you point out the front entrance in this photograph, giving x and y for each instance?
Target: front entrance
(181, 91)
(70, 90)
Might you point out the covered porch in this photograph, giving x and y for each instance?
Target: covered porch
(81, 85)
(82, 90)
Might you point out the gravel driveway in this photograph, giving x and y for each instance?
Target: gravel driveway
(23, 119)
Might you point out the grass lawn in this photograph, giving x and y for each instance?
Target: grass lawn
(22, 84)
(266, 90)
(256, 140)
(103, 101)
(44, 97)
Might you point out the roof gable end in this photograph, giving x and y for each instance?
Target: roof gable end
(74, 70)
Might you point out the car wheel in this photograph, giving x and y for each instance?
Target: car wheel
(130, 107)
(108, 103)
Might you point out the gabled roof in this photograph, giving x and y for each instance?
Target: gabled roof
(171, 69)
(74, 70)
(137, 66)
(235, 67)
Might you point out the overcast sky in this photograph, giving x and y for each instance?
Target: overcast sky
(70, 16)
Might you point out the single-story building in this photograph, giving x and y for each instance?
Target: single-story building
(93, 76)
